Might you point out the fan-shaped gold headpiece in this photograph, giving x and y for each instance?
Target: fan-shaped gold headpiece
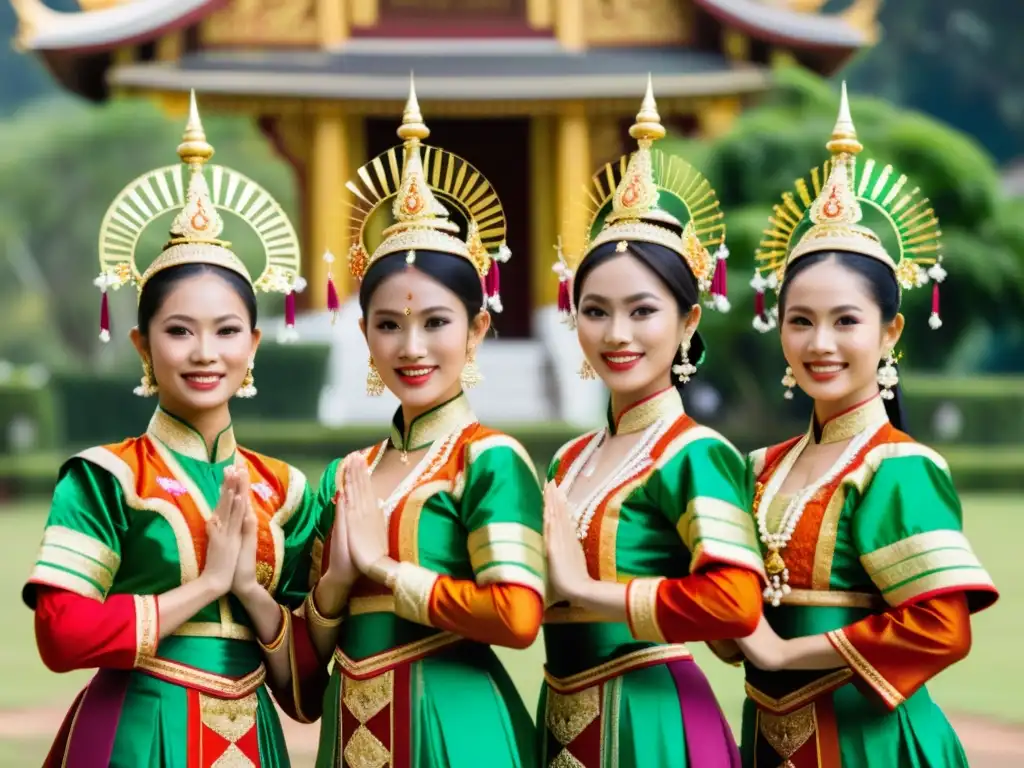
(652, 197)
(831, 220)
(416, 178)
(196, 229)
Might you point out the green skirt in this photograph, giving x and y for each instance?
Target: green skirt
(846, 729)
(456, 709)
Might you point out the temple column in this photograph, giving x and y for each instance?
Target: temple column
(543, 213)
(570, 28)
(326, 175)
(715, 117)
(572, 175)
(332, 22)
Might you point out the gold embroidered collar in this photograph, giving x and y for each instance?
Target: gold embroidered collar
(666, 405)
(177, 435)
(432, 425)
(867, 415)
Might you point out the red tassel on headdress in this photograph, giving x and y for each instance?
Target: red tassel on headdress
(564, 305)
(333, 304)
(104, 318)
(289, 310)
(719, 284)
(492, 287)
(935, 321)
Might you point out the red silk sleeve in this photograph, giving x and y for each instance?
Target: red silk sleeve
(497, 614)
(75, 632)
(303, 699)
(896, 652)
(716, 604)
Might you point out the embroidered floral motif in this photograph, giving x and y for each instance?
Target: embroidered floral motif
(172, 486)
(263, 490)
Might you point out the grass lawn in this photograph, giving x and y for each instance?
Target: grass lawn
(987, 683)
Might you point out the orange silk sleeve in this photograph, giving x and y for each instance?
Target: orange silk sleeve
(497, 614)
(716, 604)
(898, 651)
(75, 632)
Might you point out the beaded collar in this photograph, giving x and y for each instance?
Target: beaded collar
(666, 405)
(853, 421)
(181, 438)
(432, 425)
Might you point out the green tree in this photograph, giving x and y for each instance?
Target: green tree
(61, 164)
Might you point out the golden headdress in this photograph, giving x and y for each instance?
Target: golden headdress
(833, 220)
(651, 197)
(414, 177)
(196, 229)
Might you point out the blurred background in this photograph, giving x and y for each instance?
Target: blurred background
(537, 94)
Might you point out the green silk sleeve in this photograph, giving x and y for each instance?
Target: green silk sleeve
(81, 547)
(503, 512)
(297, 572)
(323, 517)
(706, 490)
(908, 530)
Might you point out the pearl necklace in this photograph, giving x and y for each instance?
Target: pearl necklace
(635, 462)
(435, 458)
(778, 574)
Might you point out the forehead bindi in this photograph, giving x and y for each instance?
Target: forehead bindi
(410, 291)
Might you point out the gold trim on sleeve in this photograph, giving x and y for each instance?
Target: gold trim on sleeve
(718, 531)
(72, 582)
(510, 553)
(892, 697)
(923, 563)
(147, 627)
(642, 605)
(413, 585)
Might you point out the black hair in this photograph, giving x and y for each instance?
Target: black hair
(159, 286)
(670, 268)
(881, 283)
(455, 273)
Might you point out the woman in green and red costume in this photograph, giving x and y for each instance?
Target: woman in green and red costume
(171, 562)
(432, 548)
(872, 581)
(649, 535)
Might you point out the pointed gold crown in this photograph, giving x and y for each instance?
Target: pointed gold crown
(421, 221)
(834, 218)
(195, 231)
(652, 197)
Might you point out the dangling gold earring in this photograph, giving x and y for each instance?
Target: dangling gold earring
(248, 388)
(788, 381)
(470, 375)
(685, 369)
(147, 384)
(374, 383)
(888, 376)
(587, 372)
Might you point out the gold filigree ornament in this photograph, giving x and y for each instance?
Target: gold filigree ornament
(652, 197)
(872, 211)
(418, 180)
(195, 231)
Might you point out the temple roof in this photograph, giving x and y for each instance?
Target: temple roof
(500, 70)
(852, 29)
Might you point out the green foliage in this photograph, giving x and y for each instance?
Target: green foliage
(61, 164)
(780, 140)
